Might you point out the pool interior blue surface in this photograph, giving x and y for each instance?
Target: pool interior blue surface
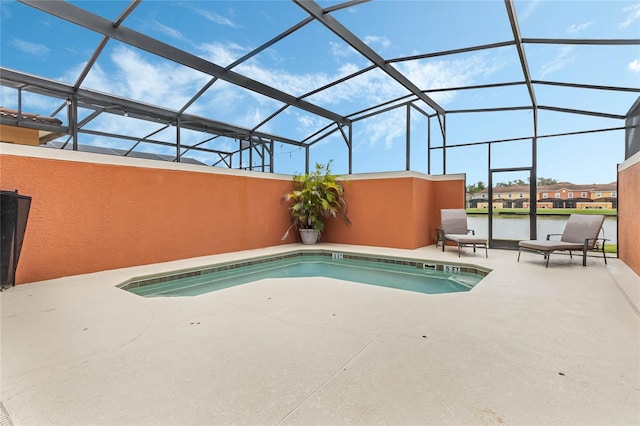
(404, 274)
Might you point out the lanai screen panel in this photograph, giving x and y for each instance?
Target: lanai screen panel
(496, 65)
(135, 74)
(380, 143)
(501, 97)
(289, 159)
(334, 149)
(555, 40)
(304, 61)
(400, 29)
(57, 50)
(465, 128)
(557, 122)
(370, 88)
(419, 137)
(578, 158)
(571, 19)
(611, 103)
(235, 105)
(295, 123)
(220, 31)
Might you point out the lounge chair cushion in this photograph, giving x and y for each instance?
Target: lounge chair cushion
(548, 245)
(454, 221)
(581, 227)
(466, 239)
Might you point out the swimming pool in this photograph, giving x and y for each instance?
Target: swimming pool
(417, 275)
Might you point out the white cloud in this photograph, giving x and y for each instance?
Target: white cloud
(376, 40)
(446, 74)
(356, 93)
(561, 60)
(30, 48)
(5, 11)
(222, 54)
(8, 97)
(216, 18)
(310, 123)
(339, 50)
(633, 15)
(634, 66)
(342, 50)
(531, 7)
(146, 79)
(164, 29)
(386, 128)
(576, 28)
(133, 76)
(296, 84)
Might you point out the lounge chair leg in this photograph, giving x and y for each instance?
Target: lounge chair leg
(459, 245)
(604, 256)
(486, 253)
(548, 256)
(519, 251)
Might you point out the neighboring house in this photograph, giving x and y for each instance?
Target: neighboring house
(503, 197)
(479, 199)
(559, 195)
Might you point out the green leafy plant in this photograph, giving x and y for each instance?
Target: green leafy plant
(316, 196)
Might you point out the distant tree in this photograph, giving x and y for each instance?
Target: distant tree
(477, 187)
(546, 181)
(541, 181)
(511, 183)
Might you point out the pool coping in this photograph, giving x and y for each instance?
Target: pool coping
(435, 265)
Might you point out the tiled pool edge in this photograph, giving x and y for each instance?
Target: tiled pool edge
(141, 281)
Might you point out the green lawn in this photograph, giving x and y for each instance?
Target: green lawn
(608, 248)
(606, 212)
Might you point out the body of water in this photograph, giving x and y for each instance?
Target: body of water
(515, 227)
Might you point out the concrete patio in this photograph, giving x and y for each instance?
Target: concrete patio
(527, 346)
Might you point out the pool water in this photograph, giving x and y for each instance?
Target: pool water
(402, 274)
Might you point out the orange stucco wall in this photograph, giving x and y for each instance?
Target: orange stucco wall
(629, 213)
(88, 216)
(396, 212)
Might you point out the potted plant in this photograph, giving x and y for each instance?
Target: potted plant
(315, 196)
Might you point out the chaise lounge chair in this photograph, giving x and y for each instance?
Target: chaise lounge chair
(580, 233)
(454, 228)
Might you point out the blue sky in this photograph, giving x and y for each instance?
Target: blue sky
(222, 32)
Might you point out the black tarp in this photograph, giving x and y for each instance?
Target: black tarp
(14, 212)
(632, 134)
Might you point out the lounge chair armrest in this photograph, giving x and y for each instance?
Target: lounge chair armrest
(595, 241)
(549, 235)
(473, 232)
